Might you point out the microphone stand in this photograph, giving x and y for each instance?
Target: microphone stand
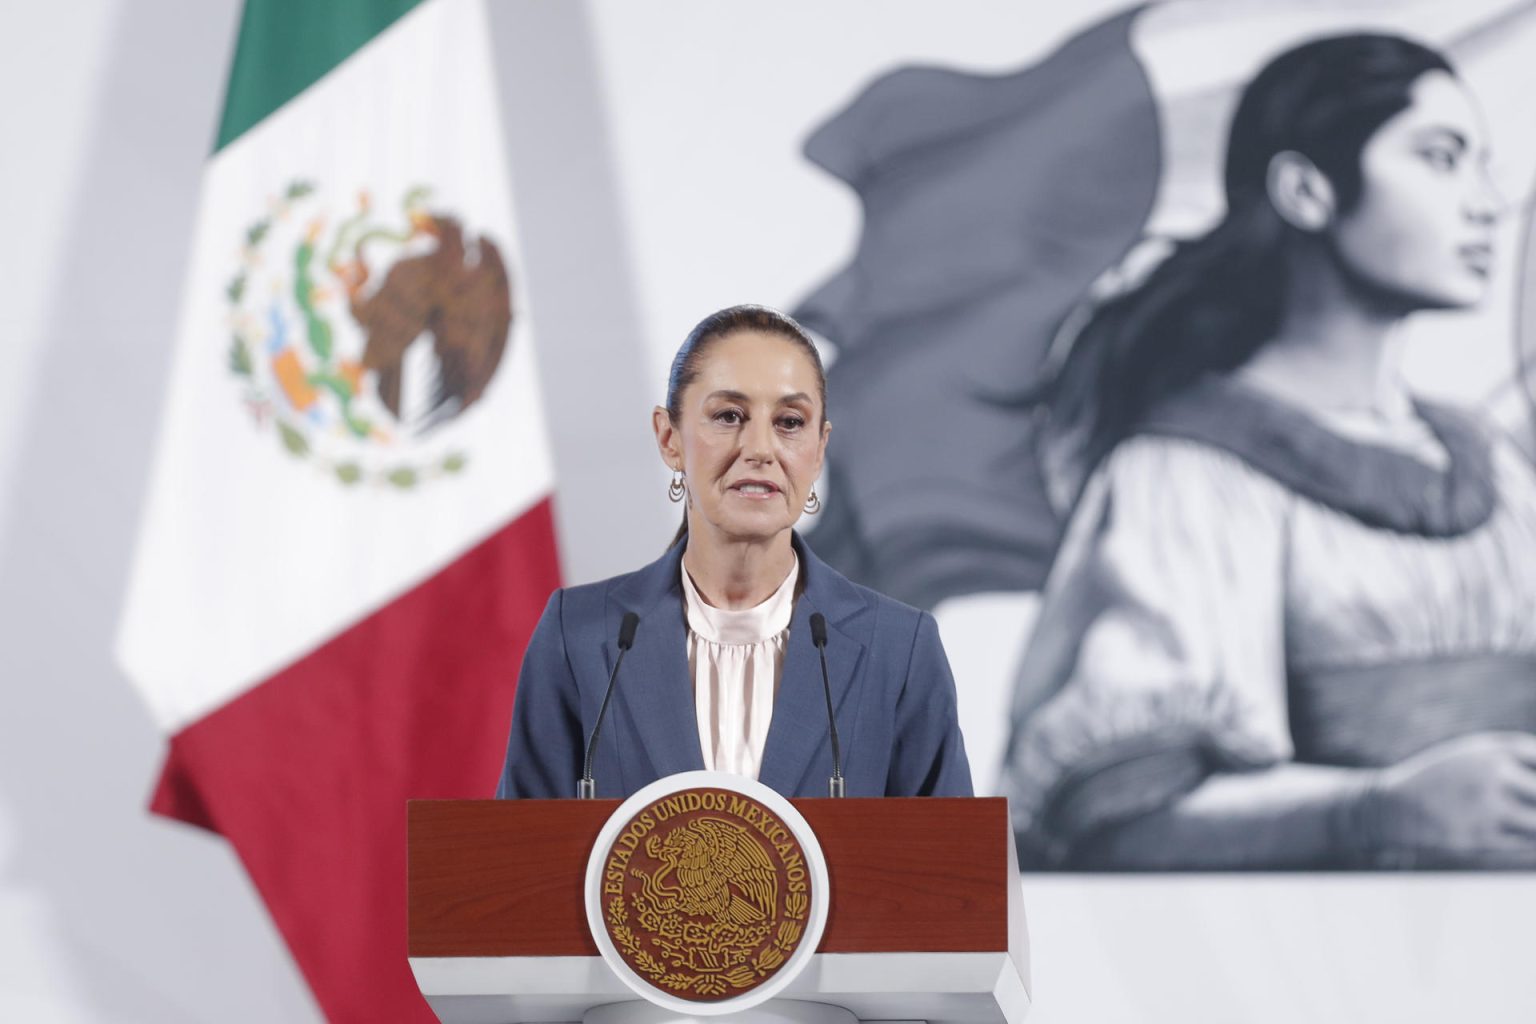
(586, 786)
(835, 785)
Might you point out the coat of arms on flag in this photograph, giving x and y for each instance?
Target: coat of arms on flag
(355, 332)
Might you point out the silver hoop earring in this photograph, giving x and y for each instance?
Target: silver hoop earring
(812, 503)
(677, 488)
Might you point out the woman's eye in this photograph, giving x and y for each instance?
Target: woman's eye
(791, 423)
(730, 417)
(1440, 159)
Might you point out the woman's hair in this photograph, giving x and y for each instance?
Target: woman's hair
(1218, 298)
(720, 325)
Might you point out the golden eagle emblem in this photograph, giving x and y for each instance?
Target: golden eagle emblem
(456, 296)
(718, 870)
(706, 894)
(356, 335)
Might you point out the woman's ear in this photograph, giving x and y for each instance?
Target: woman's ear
(666, 439)
(1300, 193)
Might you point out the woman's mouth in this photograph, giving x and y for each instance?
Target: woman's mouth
(756, 489)
(1477, 258)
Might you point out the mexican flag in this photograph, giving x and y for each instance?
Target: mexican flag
(348, 537)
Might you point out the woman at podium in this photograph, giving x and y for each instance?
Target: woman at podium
(725, 669)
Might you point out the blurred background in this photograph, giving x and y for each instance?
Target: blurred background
(656, 154)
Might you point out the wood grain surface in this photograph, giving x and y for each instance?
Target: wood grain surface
(504, 877)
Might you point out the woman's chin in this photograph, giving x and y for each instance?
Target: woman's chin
(755, 526)
(1466, 292)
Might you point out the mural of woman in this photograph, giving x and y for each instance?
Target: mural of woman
(1291, 622)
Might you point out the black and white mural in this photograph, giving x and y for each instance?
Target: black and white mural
(1133, 328)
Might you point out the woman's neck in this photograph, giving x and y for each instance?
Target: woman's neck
(1338, 348)
(735, 574)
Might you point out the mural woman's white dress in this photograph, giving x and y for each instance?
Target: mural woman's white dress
(1243, 584)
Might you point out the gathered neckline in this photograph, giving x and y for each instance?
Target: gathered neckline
(1381, 486)
(737, 626)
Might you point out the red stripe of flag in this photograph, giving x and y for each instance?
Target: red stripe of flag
(307, 773)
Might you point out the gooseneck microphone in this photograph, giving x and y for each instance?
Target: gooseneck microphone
(586, 788)
(835, 785)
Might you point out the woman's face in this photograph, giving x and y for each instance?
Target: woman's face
(1423, 227)
(750, 436)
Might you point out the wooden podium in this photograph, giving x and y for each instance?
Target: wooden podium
(926, 921)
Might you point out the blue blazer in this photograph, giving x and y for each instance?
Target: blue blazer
(892, 693)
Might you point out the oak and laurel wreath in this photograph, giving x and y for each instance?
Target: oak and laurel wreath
(295, 442)
(769, 958)
(618, 928)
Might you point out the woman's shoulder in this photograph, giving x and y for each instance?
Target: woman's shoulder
(1165, 516)
(1435, 480)
(637, 589)
(843, 599)
(1181, 480)
(900, 616)
(597, 591)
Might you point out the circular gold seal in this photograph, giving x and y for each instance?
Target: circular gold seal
(706, 893)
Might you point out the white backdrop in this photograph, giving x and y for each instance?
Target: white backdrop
(655, 150)
(105, 913)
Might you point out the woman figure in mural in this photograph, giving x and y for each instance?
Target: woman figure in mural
(1292, 620)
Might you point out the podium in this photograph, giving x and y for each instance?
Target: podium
(926, 920)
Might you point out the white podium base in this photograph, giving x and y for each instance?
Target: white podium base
(774, 1011)
(940, 988)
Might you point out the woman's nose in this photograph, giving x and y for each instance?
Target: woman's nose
(1488, 203)
(757, 441)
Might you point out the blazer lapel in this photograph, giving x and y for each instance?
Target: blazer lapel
(655, 695)
(799, 731)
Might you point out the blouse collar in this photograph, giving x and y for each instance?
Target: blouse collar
(1382, 487)
(744, 625)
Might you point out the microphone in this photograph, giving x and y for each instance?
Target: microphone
(819, 638)
(586, 788)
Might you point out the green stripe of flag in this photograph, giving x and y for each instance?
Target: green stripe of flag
(286, 46)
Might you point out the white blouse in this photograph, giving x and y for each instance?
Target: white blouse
(736, 659)
(1193, 592)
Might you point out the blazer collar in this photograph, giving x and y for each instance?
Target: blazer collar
(659, 701)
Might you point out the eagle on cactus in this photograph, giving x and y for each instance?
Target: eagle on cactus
(711, 867)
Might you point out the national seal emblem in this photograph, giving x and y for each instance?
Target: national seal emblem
(354, 342)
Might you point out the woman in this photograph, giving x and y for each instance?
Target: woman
(1292, 621)
(723, 674)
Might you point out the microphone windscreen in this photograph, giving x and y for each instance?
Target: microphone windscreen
(627, 630)
(819, 629)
